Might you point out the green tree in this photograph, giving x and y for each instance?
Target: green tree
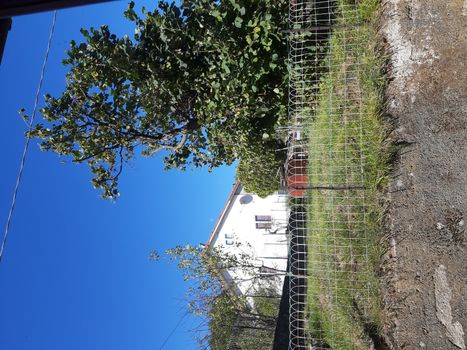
(203, 81)
(230, 318)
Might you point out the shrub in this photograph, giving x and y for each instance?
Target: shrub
(259, 168)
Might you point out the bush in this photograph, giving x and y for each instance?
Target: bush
(258, 169)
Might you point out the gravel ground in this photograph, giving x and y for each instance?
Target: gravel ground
(425, 269)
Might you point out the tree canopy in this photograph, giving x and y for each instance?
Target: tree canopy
(204, 81)
(230, 318)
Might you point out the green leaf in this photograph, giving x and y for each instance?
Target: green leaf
(130, 13)
(225, 67)
(217, 15)
(124, 97)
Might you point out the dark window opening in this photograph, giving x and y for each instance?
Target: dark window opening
(263, 218)
(260, 225)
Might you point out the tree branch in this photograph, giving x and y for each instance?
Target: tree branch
(105, 149)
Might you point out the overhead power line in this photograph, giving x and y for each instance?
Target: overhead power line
(173, 330)
(28, 138)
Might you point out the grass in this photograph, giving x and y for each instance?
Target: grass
(345, 149)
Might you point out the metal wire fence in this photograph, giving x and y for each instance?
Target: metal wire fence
(330, 273)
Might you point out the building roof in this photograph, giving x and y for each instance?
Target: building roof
(224, 211)
(11, 8)
(232, 288)
(5, 26)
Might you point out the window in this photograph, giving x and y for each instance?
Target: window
(229, 238)
(263, 221)
(263, 218)
(260, 225)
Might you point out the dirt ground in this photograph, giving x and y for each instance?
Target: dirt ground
(425, 284)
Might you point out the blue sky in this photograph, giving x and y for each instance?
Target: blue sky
(75, 273)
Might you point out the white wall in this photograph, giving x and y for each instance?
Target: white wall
(268, 246)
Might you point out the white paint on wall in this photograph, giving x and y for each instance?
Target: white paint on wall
(237, 233)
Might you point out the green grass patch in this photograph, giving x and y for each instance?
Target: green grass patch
(345, 150)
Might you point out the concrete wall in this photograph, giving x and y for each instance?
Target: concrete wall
(237, 233)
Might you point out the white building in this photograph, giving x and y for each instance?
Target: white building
(255, 226)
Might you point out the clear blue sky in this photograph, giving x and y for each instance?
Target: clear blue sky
(75, 273)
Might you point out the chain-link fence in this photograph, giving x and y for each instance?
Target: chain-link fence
(330, 274)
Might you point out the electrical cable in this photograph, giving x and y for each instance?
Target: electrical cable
(28, 138)
(173, 330)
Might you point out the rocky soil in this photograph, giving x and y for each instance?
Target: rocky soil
(425, 285)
